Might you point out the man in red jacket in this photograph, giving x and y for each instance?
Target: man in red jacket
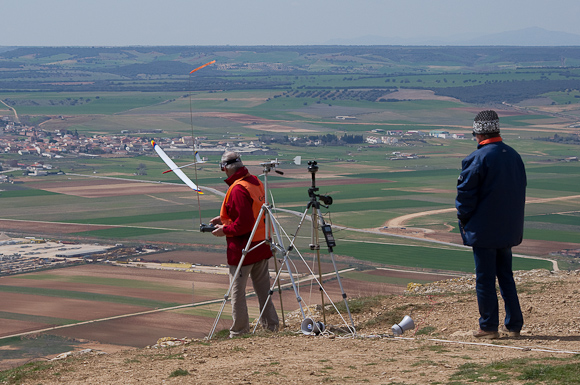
(236, 221)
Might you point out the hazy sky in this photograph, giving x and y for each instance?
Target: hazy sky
(269, 22)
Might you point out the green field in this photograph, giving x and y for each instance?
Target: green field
(426, 257)
(391, 188)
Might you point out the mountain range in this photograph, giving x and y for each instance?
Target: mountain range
(533, 36)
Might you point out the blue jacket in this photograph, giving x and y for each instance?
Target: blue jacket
(491, 194)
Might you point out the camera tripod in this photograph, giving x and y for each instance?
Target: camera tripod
(317, 222)
(274, 237)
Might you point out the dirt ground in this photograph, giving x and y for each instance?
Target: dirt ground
(436, 350)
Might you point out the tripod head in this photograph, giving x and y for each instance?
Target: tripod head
(312, 167)
(271, 165)
(326, 199)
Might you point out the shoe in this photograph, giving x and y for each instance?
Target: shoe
(486, 335)
(510, 333)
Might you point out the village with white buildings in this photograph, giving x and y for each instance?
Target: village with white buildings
(16, 138)
(25, 140)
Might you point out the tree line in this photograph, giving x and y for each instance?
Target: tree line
(511, 92)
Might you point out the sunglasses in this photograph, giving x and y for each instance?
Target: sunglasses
(231, 161)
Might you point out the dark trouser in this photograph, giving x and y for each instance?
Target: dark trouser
(490, 263)
(261, 281)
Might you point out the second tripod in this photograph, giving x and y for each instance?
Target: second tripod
(317, 224)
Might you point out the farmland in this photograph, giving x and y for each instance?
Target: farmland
(131, 307)
(101, 199)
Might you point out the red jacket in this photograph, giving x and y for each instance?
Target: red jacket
(239, 209)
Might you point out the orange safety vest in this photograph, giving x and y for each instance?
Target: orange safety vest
(257, 194)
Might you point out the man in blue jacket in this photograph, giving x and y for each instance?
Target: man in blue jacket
(491, 193)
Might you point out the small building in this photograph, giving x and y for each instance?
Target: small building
(389, 140)
(373, 140)
(439, 134)
(39, 172)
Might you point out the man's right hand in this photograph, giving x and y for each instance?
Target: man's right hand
(219, 231)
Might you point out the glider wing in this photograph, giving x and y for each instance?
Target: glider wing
(174, 167)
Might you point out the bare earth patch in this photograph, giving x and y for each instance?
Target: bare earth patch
(277, 128)
(100, 188)
(404, 94)
(253, 122)
(33, 227)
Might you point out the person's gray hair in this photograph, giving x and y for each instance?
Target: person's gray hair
(231, 160)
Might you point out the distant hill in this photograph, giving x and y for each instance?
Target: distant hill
(472, 74)
(533, 36)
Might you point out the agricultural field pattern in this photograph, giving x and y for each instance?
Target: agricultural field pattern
(387, 128)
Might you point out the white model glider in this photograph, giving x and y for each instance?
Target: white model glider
(175, 168)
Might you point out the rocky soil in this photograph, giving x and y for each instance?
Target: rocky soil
(439, 349)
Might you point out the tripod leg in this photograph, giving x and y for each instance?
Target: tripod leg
(280, 294)
(342, 291)
(269, 235)
(315, 245)
(322, 223)
(273, 230)
(277, 282)
(298, 298)
(286, 253)
(320, 288)
(217, 319)
(278, 248)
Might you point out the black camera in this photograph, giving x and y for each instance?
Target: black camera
(326, 199)
(206, 228)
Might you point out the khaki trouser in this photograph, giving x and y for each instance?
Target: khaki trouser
(261, 281)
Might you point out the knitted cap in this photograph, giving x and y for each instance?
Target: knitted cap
(486, 122)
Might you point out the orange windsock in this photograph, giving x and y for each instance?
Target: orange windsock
(200, 67)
